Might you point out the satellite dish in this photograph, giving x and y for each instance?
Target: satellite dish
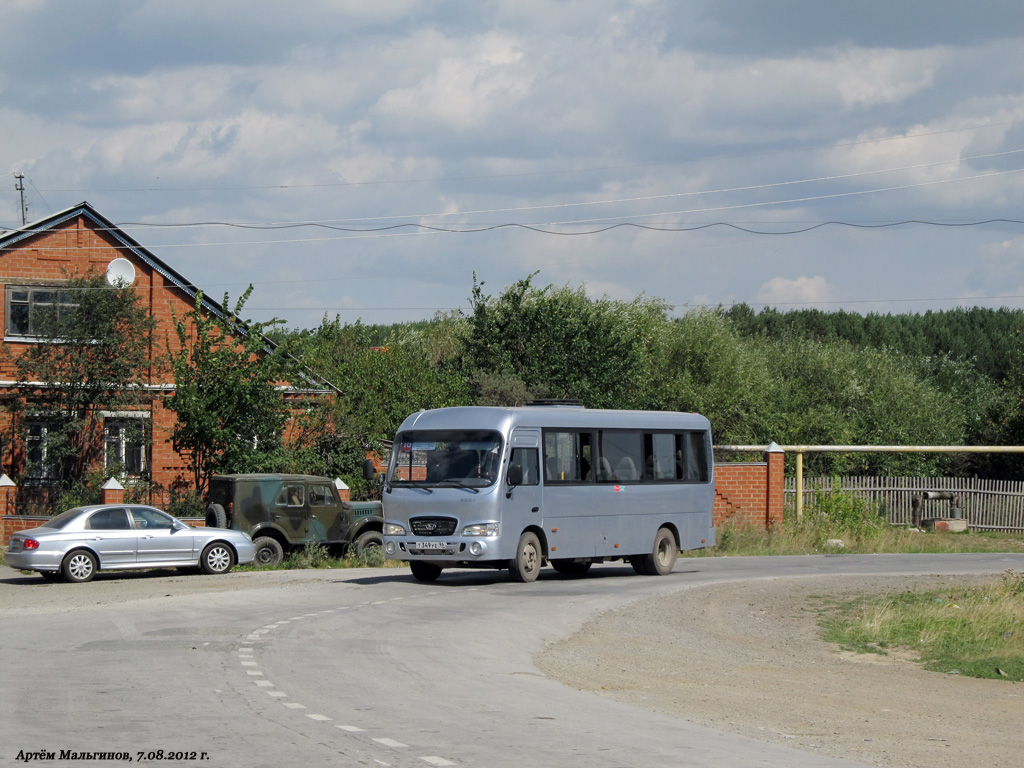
(120, 272)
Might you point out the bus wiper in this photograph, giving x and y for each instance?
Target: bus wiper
(417, 484)
(457, 484)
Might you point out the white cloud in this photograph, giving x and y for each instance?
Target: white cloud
(781, 290)
(463, 88)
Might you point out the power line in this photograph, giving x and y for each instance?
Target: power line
(335, 223)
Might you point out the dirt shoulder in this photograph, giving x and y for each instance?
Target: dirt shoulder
(746, 658)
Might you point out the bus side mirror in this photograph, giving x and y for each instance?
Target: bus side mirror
(515, 474)
(369, 471)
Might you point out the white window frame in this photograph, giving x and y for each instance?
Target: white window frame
(120, 443)
(30, 334)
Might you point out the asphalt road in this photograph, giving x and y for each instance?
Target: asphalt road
(354, 668)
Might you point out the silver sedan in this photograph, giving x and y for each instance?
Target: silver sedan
(74, 545)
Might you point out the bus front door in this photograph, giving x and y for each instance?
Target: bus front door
(522, 503)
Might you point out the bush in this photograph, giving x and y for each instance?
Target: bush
(313, 555)
(839, 514)
(187, 504)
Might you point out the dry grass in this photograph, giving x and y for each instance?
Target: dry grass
(976, 631)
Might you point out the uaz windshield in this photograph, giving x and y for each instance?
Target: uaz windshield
(459, 458)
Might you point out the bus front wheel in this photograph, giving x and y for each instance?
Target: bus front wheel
(425, 571)
(662, 558)
(528, 560)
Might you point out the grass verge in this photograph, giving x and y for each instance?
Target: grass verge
(975, 631)
(318, 555)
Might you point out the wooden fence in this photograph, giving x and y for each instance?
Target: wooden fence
(989, 505)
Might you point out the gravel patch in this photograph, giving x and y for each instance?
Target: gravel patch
(747, 658)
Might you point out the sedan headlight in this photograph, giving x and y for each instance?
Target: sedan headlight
(393, 529)
(481, 529)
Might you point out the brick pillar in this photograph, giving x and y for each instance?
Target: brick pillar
(343, 490)
(7, 494)
(775, 485)
(113, 492)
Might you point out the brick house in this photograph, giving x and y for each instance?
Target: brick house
(36, 259)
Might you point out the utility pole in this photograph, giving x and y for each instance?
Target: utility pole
(19, 186)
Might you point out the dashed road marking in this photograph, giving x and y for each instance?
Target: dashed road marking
(245, 659)
(391, 743)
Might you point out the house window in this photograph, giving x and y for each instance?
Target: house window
(36, 454)
(30, 309)
(127, 446)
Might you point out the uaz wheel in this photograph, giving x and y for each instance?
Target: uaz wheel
(216, 517)
(268, 551)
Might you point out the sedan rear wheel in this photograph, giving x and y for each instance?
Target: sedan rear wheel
(217, 558)
(79, 566)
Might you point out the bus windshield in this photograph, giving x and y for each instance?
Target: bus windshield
(445, 458)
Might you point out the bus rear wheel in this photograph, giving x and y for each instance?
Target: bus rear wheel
(662, 558)
(424, 571)
(525, 567)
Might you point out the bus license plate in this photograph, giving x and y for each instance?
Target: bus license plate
(430, 545)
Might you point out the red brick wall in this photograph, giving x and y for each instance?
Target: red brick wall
(750, 493)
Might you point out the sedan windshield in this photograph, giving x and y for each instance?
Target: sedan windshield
(457, 458)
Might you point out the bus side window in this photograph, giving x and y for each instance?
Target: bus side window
(692, 457)
(561, 457)
(527, 459)
(660, 457)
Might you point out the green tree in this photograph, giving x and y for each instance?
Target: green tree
(92, 352)
(229, 411)
(597, 351)
(382, 378)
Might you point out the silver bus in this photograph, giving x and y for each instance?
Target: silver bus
(516, 488)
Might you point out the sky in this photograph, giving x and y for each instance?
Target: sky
(365, 160)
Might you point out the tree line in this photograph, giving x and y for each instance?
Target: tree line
(806, 377)
(801, 377)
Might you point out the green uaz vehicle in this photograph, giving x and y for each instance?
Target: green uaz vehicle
(284, 512)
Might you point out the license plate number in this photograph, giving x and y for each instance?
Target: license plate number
(430, 545)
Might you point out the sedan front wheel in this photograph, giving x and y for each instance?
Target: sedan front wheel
(217, 558)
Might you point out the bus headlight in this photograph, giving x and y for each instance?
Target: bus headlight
(393, 529)
(481, 529)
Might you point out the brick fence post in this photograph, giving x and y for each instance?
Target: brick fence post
(343, 490)
(775, 485)
(113, 492)
(7, 493)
